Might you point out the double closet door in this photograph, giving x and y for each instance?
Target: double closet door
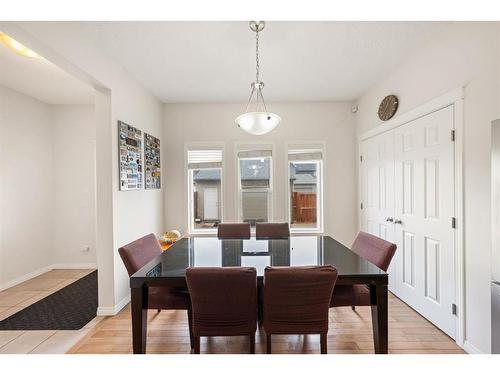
(407, 194)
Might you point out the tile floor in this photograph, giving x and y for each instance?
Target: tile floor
(22, 295)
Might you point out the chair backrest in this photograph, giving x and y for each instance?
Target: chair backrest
(223, 299)
(272, 230)
(233, 230)
(297, 299)
(137, 253)
(374, 249)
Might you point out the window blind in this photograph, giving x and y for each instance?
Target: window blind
(305, 154)
(203, 159)
(248, 154)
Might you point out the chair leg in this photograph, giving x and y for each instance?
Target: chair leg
(196, 344)
(268, 343)
(252, 344)
(159, 310)
(323, 344)
(353, 308)
(190, 322)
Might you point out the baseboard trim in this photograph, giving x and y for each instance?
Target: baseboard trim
(26, 277)
(471, 349)
(74, 266)
(40, 271)
(113, 310)
(120, 305)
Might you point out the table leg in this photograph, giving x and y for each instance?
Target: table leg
(139, 307)
(378, 297)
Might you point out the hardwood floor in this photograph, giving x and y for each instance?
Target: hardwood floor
(350, 332)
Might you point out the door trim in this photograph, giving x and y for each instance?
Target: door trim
(460, 222)
(455, 98)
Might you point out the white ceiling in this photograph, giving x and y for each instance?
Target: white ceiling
(214, 61)
(41, 80)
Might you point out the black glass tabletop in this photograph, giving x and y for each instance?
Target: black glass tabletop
(295, 251)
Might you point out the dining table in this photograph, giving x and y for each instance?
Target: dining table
(169, 269)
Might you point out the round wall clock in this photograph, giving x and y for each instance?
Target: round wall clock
(388, 107)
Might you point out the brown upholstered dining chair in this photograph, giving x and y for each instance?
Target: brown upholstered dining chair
(272, 230)
(233, 230)
(297, 300)
(139, 252)
(224, 301)
(375, 250)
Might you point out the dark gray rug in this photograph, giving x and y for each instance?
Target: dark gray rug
(67, 309)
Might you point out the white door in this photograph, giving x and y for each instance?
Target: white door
(370, 186)
(377, 190)
(424, 208)
(210, 203)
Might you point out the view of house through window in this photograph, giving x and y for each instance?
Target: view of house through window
(255, 185)
(305, 189)
(205, 189)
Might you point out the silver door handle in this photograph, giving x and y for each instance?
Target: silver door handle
(397, 221)
(389, 219)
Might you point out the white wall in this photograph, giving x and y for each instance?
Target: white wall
(465, 55)
(495, 204)
(136, 213)
(332, 123)
(121, 216)
(48, 178)
(73, 129)
(26, 170)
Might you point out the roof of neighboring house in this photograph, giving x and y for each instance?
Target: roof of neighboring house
(300, 173)
(304, 179)
(303, 167)
(207, 175)
(303, 173)
(251, 170)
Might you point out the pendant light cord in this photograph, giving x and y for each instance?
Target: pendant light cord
(257, 85)
(257, 64)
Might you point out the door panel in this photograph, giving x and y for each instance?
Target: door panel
(408, 187)
(408, 259)
(431, 175)
(432, 276)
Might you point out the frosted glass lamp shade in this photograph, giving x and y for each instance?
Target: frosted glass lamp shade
(258, 123)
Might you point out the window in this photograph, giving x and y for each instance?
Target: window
(255, 185)
(204, 189)
(305, 189)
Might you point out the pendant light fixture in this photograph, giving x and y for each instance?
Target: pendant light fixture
(257, 120)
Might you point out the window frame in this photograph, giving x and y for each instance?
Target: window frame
(320, 185)
(264, 146)
(188, 188)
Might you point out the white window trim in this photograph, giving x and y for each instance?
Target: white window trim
(244, 146)
(188, 185)
(320, 228)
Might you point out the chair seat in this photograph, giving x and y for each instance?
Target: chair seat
(351, 295)
(167, 298)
